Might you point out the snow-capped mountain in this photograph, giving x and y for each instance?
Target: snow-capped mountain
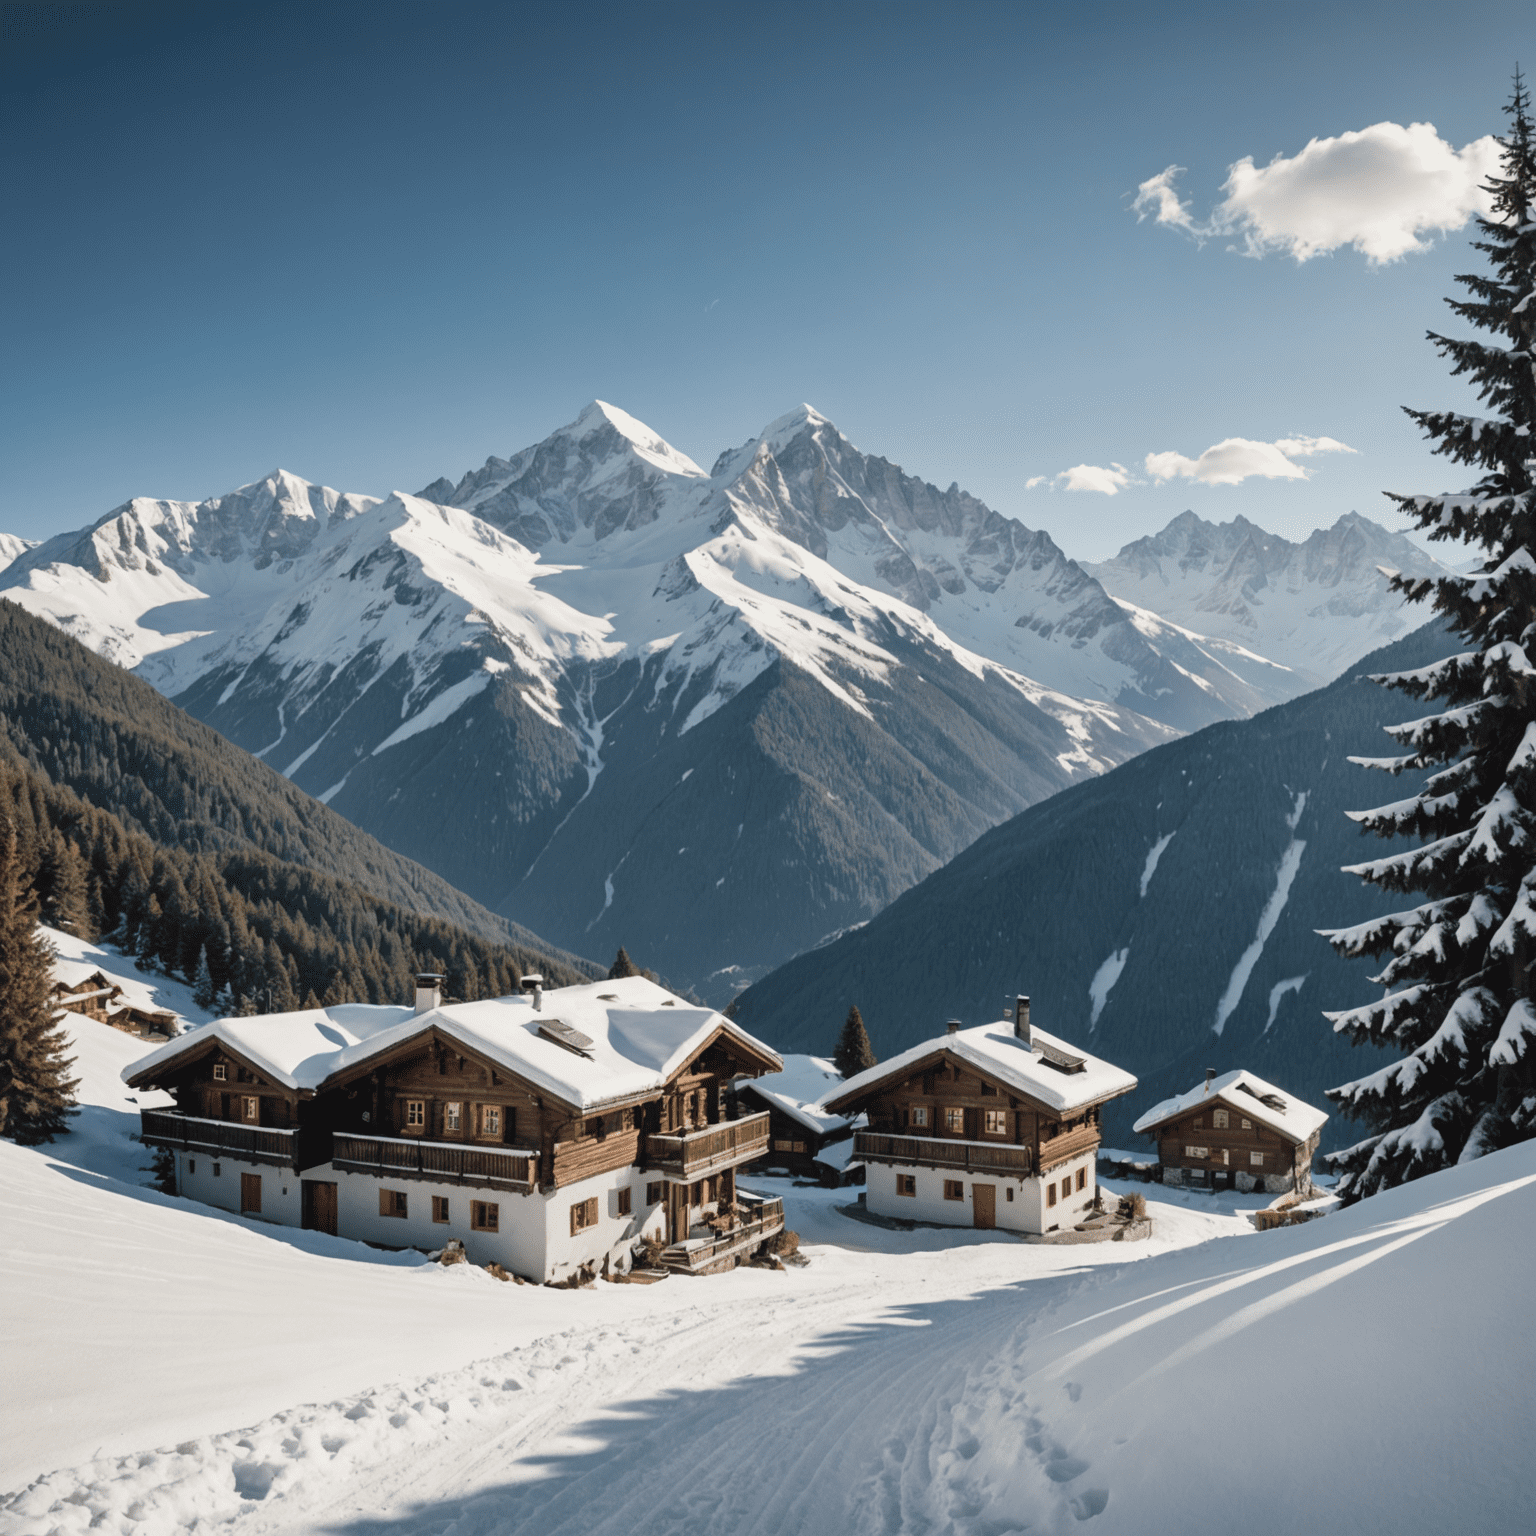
(1314, 606)
(711, 716)
(11, 546)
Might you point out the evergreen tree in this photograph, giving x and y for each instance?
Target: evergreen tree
(622, 966)
(62, 890)
(1459, 993)
(204, 993)
(853, 1054)
(36, 1091)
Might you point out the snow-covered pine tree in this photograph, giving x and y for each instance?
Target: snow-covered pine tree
(1459, 989)
(36, 1091)
(854, 1053)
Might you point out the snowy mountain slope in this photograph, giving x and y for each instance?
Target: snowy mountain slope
(1163, 914)
(1315, 607)
(11, 546)
(529, 729)
(942, 1380)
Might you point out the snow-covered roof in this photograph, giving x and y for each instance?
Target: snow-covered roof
(74, 973)
(799, 1090)
(637, 1034)
(997, 1051)
(299, 1050)
(75, 960)
(1252, 1096)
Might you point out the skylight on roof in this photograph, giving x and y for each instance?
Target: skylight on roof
(564, 1034)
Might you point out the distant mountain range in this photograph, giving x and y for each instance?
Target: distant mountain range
(1163, 915)
(713, 717)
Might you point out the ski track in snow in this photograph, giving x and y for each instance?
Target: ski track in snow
(1290, 863)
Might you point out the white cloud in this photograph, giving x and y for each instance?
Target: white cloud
(1235, 459)
(1381, 189)
(1035, 480)
(1095, 477)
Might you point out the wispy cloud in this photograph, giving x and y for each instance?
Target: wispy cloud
(1382, 190)
(1235, 459)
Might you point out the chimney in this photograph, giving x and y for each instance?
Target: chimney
(1021, 1020)
(429, 991)
(952, 1027)
(1210, 1077)
(534, 984)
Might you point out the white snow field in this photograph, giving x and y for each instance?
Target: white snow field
(184, 1370)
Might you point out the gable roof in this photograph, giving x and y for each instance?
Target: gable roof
(995, 1050)
(799, 1091)
(637, 1034)
(1249, 1095)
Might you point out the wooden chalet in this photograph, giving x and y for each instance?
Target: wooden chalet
(82, 988)
(548, 1132)
(1235, 1132)
(992, 1126)
(804, 1138)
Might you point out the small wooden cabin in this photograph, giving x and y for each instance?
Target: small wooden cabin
(992, 1126)
(1235, 1132)
(804, 1138)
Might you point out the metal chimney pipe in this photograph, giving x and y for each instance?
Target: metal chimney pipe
(535, 985)
(1021, 1020)
(952, 1027)
(1210, 1077)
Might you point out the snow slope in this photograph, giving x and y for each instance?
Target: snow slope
(929, 1381)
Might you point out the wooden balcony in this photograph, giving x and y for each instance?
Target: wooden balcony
(247, 1143)
(697, 1154)
(441, 1162)
(938, 1152)
(761, 1219)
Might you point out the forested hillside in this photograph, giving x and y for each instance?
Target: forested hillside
(146, 825)
(1163, 915)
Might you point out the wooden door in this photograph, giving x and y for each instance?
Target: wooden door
(984, 1205)
(319, 1206)
(250, 1194)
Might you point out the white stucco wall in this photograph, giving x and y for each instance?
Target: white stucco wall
(1026, 1212)
(196, 1180)
(612, 1236)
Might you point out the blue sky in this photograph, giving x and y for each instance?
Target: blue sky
(375, 244)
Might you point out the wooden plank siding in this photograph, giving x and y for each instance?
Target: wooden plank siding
(1229, 1148)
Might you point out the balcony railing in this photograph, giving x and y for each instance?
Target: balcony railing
(250, 1143)
(937, 1152)
(441, 1162)
(698, 1255)
(697, 1154)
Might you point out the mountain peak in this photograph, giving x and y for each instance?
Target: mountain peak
(651, 446)
(792, 423)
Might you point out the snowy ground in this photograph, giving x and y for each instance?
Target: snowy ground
(187, 1370)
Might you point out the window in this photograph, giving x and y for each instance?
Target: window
(653, 1193)
(1197, 1151)
(920, 1115)
(440, 1209)
(484, 1216)
(1066, 1188)
(906, 1184)
(624, 1202)
(490, 1119)
(995, 1121)
(191, 1165)
(1219, 1120)
(1255, 1159)
(415, 1114)
(392, 1202)
(1008, 1193)
(954, 1189)
(1247, 1123)
(954, 1121)
(583, 1215)
(220, 1072)
(1082, 1178)
(250, 1109)
(453, 1118)
(1050, 1193)
(216, 1170)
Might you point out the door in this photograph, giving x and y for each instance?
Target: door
(984, 1205)
(250, 1194)
(319, 1206)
